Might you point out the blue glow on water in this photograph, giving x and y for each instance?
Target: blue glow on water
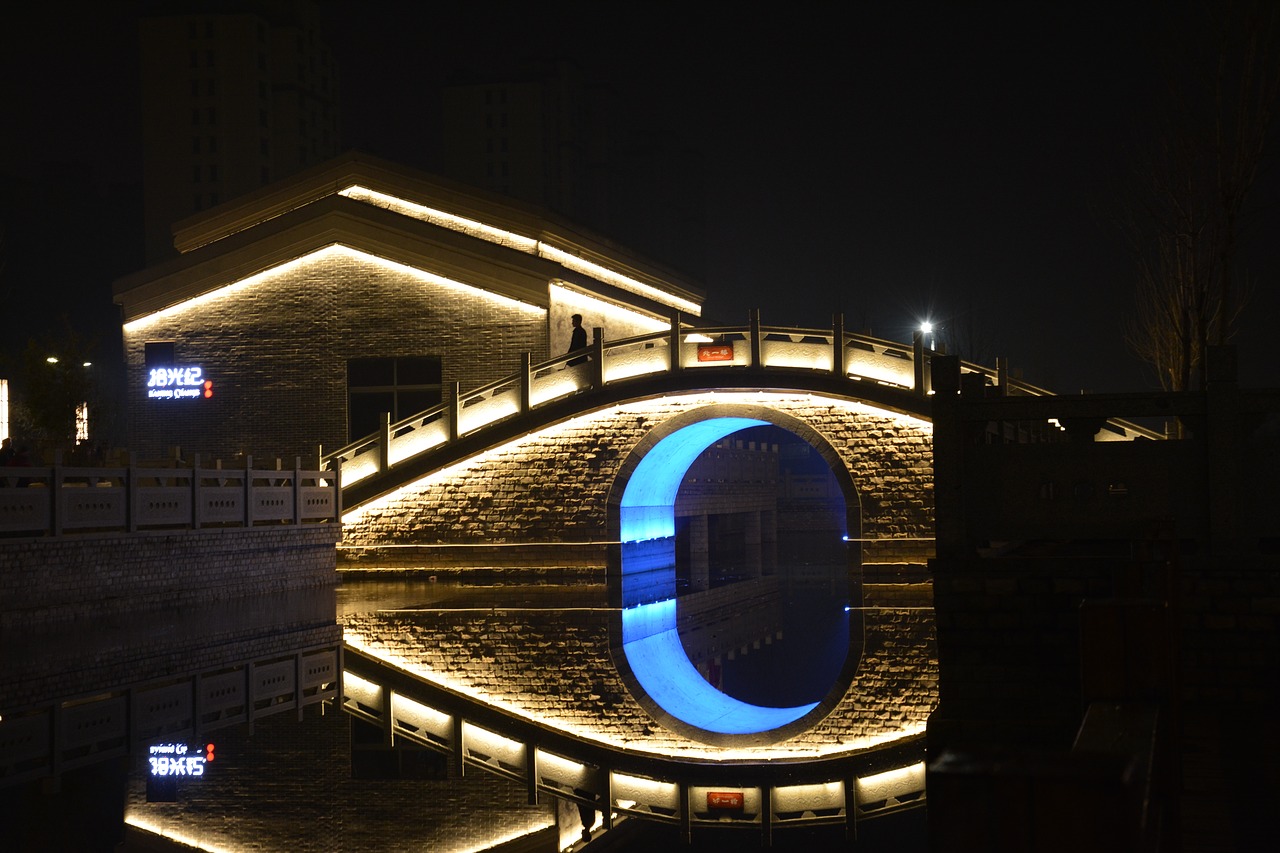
(658, 661)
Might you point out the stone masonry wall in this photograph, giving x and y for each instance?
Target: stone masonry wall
(46, 581)
(82, 614)
(555, 485)
(277, 350)
(557, 666)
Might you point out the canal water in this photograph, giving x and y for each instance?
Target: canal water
(313, 785)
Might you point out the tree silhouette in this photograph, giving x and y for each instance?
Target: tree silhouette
(1191, 211)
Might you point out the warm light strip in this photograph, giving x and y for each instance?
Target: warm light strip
(320, 255)
(576, 729)
(521, 243)
(155, 829)
(593, 305)
(752, 398)
(577, 264)
(460, 224)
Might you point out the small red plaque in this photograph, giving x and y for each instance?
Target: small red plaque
(715, 352)
(724, 800)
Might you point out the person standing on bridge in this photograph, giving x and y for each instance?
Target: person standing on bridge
(578, 340)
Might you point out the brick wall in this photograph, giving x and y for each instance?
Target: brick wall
(277, 354)
(89, 613)
(557, 665)
(556, 485)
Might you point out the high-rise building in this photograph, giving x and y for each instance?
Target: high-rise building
(231, 100)
(530, 135)
(543, 132)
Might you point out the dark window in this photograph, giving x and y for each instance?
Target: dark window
(401, 386)
(158, 353)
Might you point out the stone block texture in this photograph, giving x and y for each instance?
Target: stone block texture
(556, 485)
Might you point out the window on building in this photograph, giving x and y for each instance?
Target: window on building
(401, 386)
(158, 354)
(195, 145)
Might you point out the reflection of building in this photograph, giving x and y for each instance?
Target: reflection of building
(295, 315)
(726, 514)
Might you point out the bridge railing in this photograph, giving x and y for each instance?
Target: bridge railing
(54, 500)
(854, 357)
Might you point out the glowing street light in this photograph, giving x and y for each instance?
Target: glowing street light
(926, 329)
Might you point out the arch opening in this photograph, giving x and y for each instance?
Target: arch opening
(657, 599)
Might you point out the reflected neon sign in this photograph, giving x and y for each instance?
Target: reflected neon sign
(178, 383)
(177, 759)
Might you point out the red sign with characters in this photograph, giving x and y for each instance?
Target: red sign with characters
(715, 352)
(724, 800)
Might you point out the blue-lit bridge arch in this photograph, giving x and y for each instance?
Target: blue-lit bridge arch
(647, 645)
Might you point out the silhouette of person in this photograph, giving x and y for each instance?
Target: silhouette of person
(6, 452)
(578, 340)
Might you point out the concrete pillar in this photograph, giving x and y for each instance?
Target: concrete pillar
(769, 541)
(751, 537)
(699, 554)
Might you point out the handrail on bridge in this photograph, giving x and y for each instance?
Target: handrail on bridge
(54, 500)
(854, 357)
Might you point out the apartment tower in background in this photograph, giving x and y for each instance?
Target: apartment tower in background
(231, 101)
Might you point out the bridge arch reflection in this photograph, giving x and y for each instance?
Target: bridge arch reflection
(647, 646)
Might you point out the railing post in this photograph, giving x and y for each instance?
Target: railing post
(455, 413)
(837, 345)
(195, 492)
(384, 442)
(754, 319)
(337, 488)
(917, 358)
(55, 495)
(526, 381)
(674, 344)
(248, 491)
(197, 504)
(297, 500)
(131, 493)
(597, 358)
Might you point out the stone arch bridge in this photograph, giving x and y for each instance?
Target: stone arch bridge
(563, 464)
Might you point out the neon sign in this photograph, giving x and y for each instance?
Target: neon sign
(178, 383)
(176, 759)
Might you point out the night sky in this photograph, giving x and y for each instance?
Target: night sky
(961, 162)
